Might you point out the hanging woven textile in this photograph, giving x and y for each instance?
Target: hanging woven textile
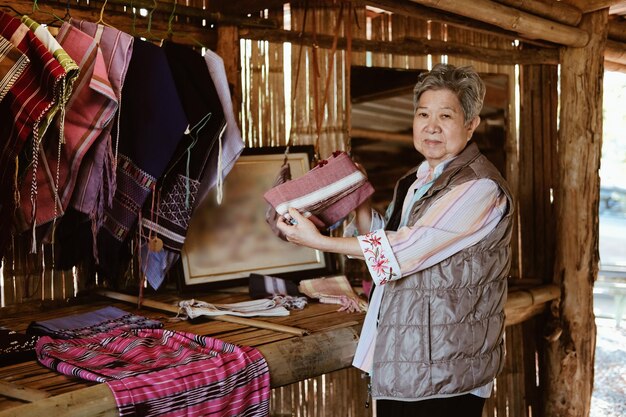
(332, 189)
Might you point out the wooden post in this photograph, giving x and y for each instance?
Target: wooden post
(570, 357)
(228, 49)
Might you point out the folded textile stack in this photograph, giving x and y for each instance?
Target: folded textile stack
(333, 290)
(265, 307)
(261, 286)
(328, 192)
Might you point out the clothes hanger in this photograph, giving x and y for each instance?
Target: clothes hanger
(56, 18)
(170, 32)
(147, 35)
(67, 16)
(101, 19)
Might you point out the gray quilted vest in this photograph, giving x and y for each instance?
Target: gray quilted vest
(441, 330)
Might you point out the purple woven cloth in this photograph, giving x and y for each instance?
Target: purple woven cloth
(91, 323)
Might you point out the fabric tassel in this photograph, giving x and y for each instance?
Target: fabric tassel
(16, 183)
(33, 244)
(220, 177)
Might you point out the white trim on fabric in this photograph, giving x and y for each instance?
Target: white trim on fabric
(163, 231)
(323, 193)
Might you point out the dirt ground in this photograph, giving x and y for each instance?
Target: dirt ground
(609, 394)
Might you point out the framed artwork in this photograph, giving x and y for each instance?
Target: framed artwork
(227, 242)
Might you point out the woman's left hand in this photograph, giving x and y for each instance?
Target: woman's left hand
(303, 232)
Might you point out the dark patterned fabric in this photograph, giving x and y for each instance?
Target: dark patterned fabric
(177, 190)
(151, 126)
(92, 323)
(16, 347)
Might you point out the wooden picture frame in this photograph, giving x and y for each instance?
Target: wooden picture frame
(226, 243)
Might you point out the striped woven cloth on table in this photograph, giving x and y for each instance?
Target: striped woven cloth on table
(328, 192)
(155, 372)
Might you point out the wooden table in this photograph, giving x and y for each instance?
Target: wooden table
(328, 346)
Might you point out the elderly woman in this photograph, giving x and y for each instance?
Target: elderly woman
(439, 257)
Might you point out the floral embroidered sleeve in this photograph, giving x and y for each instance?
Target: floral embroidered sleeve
(379, 257)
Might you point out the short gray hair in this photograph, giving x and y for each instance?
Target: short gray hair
(462, 81)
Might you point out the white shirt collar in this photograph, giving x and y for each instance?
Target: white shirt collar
(424, 169)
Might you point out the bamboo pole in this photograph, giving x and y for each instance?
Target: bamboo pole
(184, 33)
(556, 10)
(587, 6)
(617, 30)
(411, 46)
(230, 319)
(379, 134)
(614, 66)
(615, 52)
(22, 393)
(523, 304)
(529, 297)
(525, 24)
(413, 10)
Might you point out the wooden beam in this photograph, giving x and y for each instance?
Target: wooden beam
(421, 12)
(554, 10)
(183, 33)
(508, 18)
(617, 29)
(528, 297)
(243, 321)
(381, 135)
(587, 6)
(615, 52)
(21, 393)
(521, 304)
(614, 66)
(289, 361)
(411, 46)
(569, 366)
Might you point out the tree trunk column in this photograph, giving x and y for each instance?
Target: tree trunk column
(228, 50)
(570, 358)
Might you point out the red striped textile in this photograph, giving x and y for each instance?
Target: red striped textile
(155, 372)
(22, 109)
(330, 191)
(89, 111)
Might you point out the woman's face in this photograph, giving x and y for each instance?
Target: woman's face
(439, 129)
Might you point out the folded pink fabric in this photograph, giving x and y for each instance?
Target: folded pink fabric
(329, 192)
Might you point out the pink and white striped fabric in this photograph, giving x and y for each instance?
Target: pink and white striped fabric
(329, 192)
(156, 372)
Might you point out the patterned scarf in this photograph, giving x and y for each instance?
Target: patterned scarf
(152, 124)
(22, 111)
(12, 65)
